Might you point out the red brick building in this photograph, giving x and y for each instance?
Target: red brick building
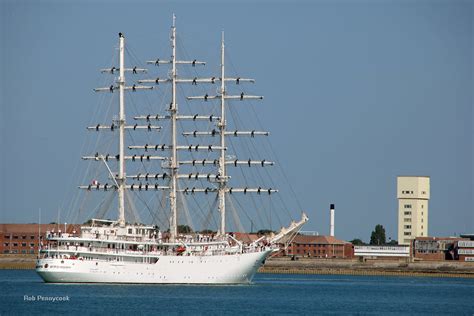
(320, 247)
(435, 248)
(23, 238)
(464, 250)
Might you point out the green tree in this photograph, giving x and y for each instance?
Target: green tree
(208, 232)
(393, 242)
(184, 229)
(357, 242)
(265, 232)
(378, 235)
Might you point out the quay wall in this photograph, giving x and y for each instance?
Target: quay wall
(321, 266)
(371, 267)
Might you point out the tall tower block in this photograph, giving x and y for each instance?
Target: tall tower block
(413, 193)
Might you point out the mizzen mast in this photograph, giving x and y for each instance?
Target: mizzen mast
(120, 177)
(121, 163)
(222, 125)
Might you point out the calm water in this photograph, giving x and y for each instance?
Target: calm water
(270, 294)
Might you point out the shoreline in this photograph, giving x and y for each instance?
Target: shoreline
(440, 269)
(307, 266)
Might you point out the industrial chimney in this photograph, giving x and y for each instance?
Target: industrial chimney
(332, 221)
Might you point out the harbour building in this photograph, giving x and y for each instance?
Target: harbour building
(413, 193)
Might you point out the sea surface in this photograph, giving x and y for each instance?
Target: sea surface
(22, 292)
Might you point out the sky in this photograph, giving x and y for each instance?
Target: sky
(356, 93)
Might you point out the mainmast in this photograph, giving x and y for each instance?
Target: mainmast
(222, 126)
(174, 156)
(121, 174)
(221, 178)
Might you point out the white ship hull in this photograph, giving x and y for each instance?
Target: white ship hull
(218, 269)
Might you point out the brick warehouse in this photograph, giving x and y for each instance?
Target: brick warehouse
(435, 248)
(23, 238)
(320, 247)
(464, 250)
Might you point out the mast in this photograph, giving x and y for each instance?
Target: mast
(174, 157)
(121, 173)
(222, 125)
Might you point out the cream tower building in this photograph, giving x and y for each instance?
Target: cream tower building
(413, 193)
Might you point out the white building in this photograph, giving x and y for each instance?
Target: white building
(413, 193)
(382, 251)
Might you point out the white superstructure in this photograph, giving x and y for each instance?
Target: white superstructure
(120, 252)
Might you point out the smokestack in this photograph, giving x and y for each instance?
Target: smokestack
(332, 221)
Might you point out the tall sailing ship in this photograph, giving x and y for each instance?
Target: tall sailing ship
(119, 251)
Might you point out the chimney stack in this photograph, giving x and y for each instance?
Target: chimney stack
(331, 233)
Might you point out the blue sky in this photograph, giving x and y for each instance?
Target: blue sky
(356, 93)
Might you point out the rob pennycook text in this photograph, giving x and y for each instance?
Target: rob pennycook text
(41, 298)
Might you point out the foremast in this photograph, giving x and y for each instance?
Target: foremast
(121, 173)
